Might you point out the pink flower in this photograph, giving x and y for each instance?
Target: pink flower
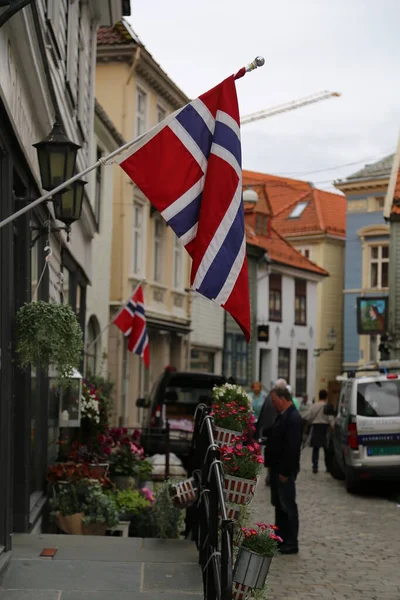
(239, 446)
(107, 450)
(101, 439)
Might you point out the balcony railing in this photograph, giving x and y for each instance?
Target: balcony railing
(206, 521)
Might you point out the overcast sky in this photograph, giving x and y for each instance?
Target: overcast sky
(347, 46)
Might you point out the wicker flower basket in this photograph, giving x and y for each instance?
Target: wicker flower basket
(241, 592)
(184, 493)
(238, 490)
(225, 437)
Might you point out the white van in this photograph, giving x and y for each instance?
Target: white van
(365, 442)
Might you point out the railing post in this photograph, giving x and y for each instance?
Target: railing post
(167, 449)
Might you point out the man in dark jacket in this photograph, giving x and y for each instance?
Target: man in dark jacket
(267, 418)
(283, 459)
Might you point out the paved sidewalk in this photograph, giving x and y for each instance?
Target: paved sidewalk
(101, 568)
(349, 545)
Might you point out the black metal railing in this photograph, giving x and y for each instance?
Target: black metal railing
(206, 521)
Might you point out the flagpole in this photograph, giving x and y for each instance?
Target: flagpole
(257, 62)
(112, 320)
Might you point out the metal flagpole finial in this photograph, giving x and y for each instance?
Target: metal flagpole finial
(259, 61)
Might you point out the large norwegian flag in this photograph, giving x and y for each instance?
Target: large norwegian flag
(131, 320)
(189, 167)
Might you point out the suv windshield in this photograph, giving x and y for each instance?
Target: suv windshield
(187, 389)
(378, 399)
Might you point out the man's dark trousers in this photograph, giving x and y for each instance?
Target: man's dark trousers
(283, 498)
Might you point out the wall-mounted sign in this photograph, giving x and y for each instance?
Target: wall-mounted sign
(372, 315)
(263, 333)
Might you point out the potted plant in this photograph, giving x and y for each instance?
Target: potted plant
(255, 555)
(66, 510)
(231, 412)
(100, 512)
(126, 458)
(242, 464)
(130, 503)
(49, 334)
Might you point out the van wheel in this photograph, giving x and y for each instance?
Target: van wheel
(352, 485)
(332, 465)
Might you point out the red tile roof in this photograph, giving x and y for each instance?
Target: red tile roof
(281, 251)
(324, 213)
(396, 196)
(114, 36)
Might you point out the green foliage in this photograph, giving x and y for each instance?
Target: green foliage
(129, 501)
(145, 470)
(99, 507)
(49, 334)
(168, 519)
(87, 496)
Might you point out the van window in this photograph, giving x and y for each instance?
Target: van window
(378, 399)
(189, 389)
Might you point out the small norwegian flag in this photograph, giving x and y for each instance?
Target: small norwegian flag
(131, 320)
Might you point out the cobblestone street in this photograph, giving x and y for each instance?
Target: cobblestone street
(349, 545)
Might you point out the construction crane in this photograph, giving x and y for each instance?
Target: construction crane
(275, 110)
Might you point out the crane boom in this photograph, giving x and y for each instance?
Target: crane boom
(275, 110)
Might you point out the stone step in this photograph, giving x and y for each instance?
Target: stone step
(97, 568)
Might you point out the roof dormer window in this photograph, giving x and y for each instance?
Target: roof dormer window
(298, 210)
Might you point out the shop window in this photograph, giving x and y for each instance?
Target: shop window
(93, 345)
(159, 229)
(236, 358)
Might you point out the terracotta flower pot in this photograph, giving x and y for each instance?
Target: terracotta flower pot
(225, 437)
(100, 470)
(71, 524)
(238, 490)
(95, 529)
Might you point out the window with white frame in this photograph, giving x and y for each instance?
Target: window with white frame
(379, 266)
(137, 238)
(161, 113)
(158, 249)
(141, 111)
(178, 263)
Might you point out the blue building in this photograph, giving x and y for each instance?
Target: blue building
(367, 254)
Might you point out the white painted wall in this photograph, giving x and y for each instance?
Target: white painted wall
(285, 334)
(207, 323)
(98, 294)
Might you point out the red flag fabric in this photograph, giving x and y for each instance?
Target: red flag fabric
(131, 320)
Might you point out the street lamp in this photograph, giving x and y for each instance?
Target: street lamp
(331, 344)
(57, 157)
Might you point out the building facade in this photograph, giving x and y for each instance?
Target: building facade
(367, 254)
(206, 336)
(314, 222)
(47, 50)
(137, 94)
(101, 187)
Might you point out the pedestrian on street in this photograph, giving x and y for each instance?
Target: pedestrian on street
(282, 455)
(319, 419)
(267, 417)
(257, 399)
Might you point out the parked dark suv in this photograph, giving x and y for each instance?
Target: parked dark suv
(174, 398)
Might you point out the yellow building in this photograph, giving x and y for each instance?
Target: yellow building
(137, 94)
(314, 222)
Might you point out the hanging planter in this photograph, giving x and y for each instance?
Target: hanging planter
(251, 569)
(49, 334)
(184, 493)
(238, 490)
(225, 437)
(241, 592)
(232, 513)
